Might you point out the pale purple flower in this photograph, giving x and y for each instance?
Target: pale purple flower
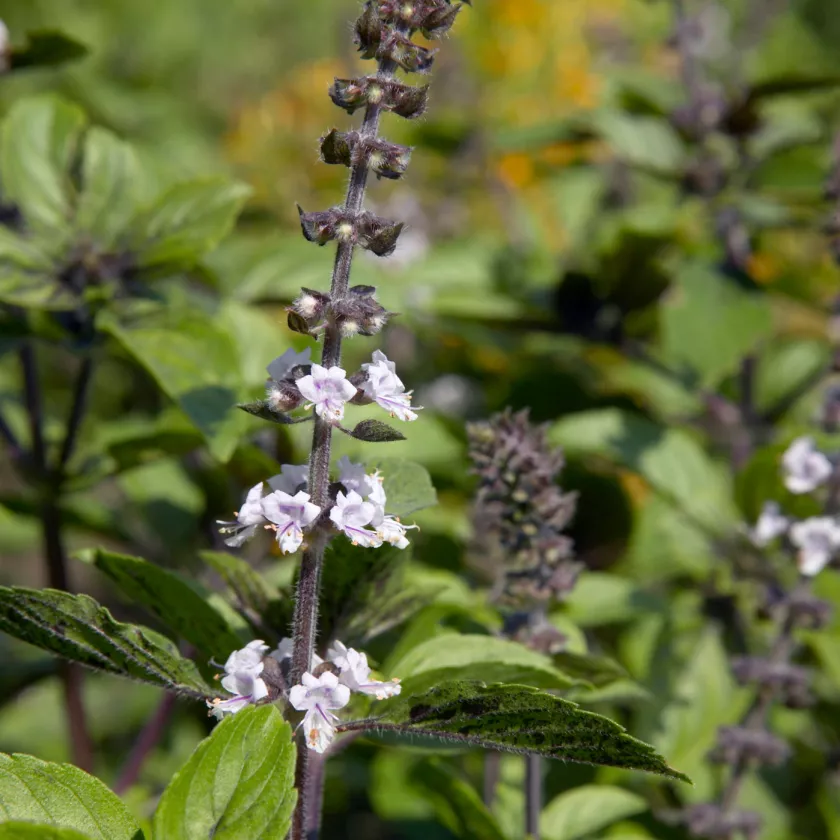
(805, 468)
(289, 515)
(282, 366)
(350, 514)
(248, 518)
(319, 697)
(770, 525)
(817, 539)
(242, 680)
(391, 530)
(386, 389)
(290, 478)
(355, 673)
(327, 390)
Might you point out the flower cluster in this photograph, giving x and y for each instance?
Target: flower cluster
(521, 510)
(320, 694)
(358, 509)
(816, 540)
(294, 381)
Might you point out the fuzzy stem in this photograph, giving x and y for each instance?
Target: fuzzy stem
(306, 822)
(147, 740)
(533, 796)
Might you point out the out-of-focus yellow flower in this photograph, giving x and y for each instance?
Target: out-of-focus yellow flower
(274, 141)
(763, 267)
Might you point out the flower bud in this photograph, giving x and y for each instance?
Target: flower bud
(387, 160)
(376, 234)
(434, 18)
(311, 304)
(320, 227)
(282, 396)
(368, 31)
(360, 313)
(400, 49)
(403, 100)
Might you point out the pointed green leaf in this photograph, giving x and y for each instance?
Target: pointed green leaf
(263, 410)
(408, 485)
(456, 803)
(39, 140)
(76, 627)
(475, 657)
(587, 809)
(187, 221)
(171, 600)
(237, 785)
(194, 361)
(110, 174)
(63, 796)
(375, 431)
(598, 670)
(514, 718)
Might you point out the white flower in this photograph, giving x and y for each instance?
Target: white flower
(771, 524)
(289, 515)
(805, 468)
(327, 390)
(391, 530)
(248, 518)
(248, 658)
(355, 673)
(290, 478)
(319, 697)
(354, 477)
(282, 365)
(242, 680)
(385, 388)
(350, 514)
(817, 539)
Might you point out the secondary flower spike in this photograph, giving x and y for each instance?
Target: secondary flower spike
(328, 390)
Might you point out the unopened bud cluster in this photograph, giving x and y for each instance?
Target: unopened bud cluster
(520, 508)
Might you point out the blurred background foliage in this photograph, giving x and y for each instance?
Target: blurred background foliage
(559, 256)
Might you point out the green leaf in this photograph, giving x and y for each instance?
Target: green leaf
(475, 657)
(237, 785)
(363, 591)
(46, 48)
(194, 362)
(597, 670)
(76, 627)
(670, 459)
(514, 718)
(39, 140)
(187, 221)
(375, 431)
(268, 610)
(408, 486)
(456, 803)
(30, 831)
(708, 324)
(34, 291)
(110, 173)
(587, 809)
(63, 796)
(647, 142)
(172, 601)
